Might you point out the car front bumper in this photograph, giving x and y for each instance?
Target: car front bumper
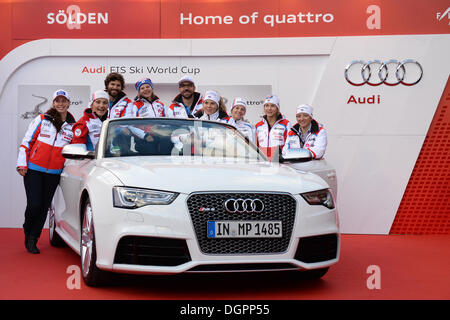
(315, 235)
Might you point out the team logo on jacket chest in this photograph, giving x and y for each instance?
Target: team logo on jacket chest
(46, 125)
(278, 130)
(95, 127)
(144, 109)
(67, 134)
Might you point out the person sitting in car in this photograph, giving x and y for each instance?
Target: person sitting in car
(146, 104)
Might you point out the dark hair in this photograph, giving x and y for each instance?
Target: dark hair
(54, 117)
(113, 76)
(222, 105)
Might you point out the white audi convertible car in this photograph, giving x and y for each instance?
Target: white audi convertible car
(165, 196)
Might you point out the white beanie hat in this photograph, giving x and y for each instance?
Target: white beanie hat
(99, 94)
(239, 102)
(305, 108)
(273, 99)
(186, 78)
(212, 95)
(61, 93)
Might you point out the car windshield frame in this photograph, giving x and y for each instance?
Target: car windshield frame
(193, 134)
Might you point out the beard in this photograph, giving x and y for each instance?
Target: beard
(113, 92)
(187, 94)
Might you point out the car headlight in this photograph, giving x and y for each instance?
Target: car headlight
(320, 197)
(131, 198)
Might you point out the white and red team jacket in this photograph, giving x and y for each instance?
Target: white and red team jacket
(118, 107)
(178, 110)
(315, 139)
(270, 140)
(87, 129)
(42, 145)
(244, 127)
(142, 108)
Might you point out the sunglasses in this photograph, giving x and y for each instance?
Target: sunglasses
(188, 84)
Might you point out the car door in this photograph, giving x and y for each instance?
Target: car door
(71, 185)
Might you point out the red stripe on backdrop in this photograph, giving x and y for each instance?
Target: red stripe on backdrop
(27, 20)
(300, 18)
(425, 207)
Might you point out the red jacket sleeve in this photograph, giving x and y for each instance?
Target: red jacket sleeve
(80, 132)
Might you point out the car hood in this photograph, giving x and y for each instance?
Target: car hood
(191, 174)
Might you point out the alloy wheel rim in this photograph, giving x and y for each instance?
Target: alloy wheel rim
(51, 222)
(87, 240)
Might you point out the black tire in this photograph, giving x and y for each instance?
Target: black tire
(91, 274)
(314, 274)
(53, 236)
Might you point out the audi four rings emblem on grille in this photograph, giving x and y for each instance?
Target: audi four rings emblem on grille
(244, 205)
(399, 68)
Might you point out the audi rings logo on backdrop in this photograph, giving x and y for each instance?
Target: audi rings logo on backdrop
(244, 205)
(391, 72)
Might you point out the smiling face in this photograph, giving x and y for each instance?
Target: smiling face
(61, 104)
(186, 89)
(114, 88)
(271, 110)
(304, 120)
(210, 106)
(238, 112)
(100, 107)
(146, 91)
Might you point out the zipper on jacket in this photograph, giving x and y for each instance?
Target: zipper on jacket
(35, 150)
(154, 112)
(268, 131)
(53, 147)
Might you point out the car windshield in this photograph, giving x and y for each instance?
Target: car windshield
(176, 137)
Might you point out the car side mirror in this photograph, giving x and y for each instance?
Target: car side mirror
(295, 155)
(77, 152)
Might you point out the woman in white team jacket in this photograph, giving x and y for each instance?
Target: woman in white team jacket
(238, 111)
(272, 130)
(307, 133)
(40, 162)
(213, 107)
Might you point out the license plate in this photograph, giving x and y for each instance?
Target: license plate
(244, 229)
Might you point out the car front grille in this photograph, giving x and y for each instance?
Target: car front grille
(277, 206)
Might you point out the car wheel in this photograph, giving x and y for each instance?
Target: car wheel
(314, 274)
(92, 275)
(55, 239)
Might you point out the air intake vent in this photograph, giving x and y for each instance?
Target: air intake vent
(317, 248)
(151, 251)
(243, 267)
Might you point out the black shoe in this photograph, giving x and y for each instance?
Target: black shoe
(31, 245)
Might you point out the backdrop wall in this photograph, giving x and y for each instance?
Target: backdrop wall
(385, 141)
